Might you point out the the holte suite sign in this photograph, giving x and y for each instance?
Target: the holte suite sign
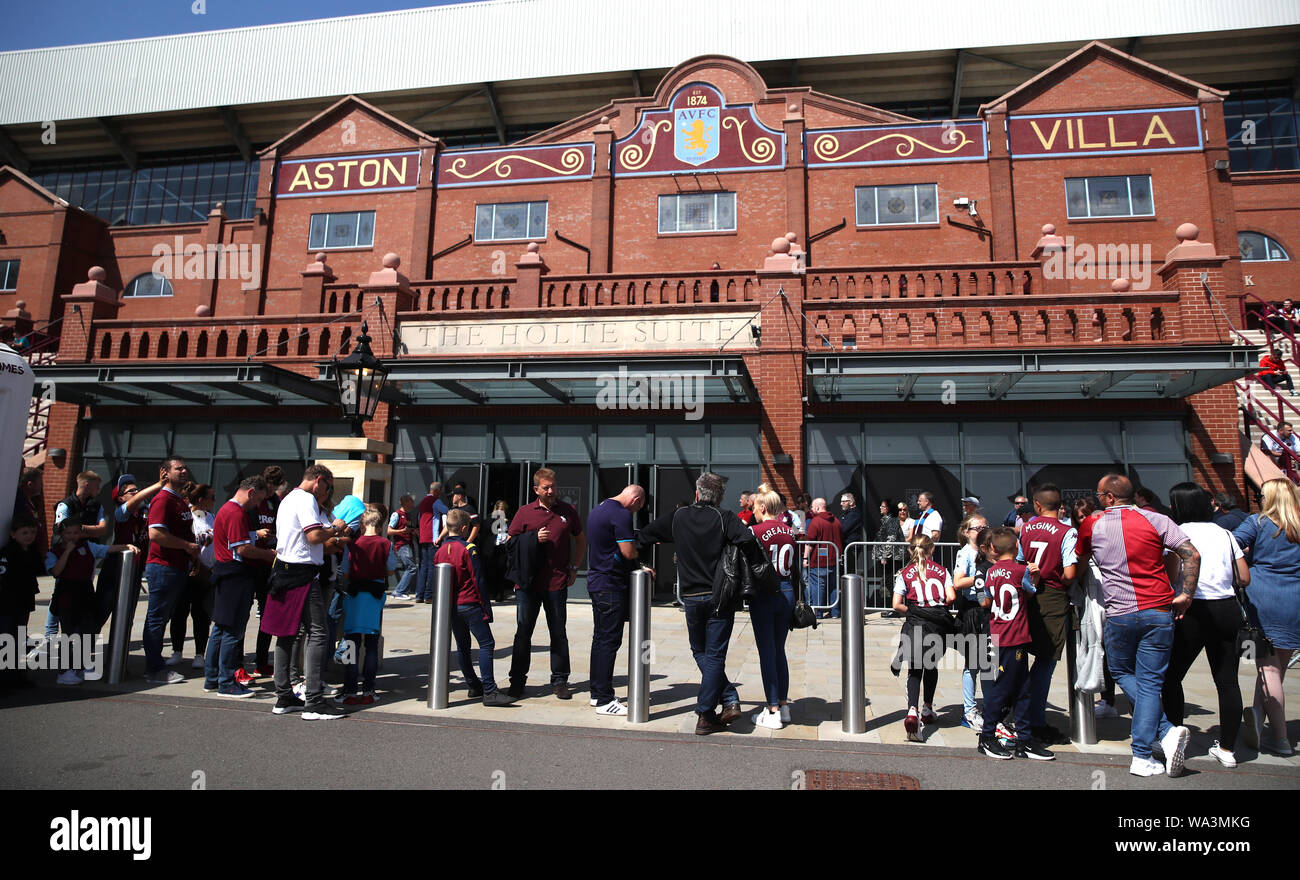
(1168, 130)
(583, 335)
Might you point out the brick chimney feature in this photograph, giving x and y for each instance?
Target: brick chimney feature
(528, 272)
(314, 278)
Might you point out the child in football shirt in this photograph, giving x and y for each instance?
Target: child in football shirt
(371, 560)
(472, 614)
(20, 566)
(72, 561)
(1009, 584)
(923, 591)
(968, 581)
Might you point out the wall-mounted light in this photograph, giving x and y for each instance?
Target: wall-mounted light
(1220, 164)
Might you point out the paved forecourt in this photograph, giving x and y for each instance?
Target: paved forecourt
(814, 657)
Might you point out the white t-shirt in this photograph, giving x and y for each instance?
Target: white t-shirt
(1293, 442)
(1212, 542)
(799, 518)
(931, 522)
(202, 526)
(907, 524)
(299, 513)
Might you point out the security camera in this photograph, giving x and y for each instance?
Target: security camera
(963, 202)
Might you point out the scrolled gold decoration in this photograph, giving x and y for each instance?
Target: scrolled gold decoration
(827, 145)
(634, 156)
(571, 160)
(764, 148)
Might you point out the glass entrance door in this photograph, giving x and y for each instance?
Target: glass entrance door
(670, 487)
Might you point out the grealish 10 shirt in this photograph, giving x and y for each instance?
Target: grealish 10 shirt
(298, 515)
(168, 511)
(926, 585)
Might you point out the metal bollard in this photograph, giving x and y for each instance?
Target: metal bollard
(440, 637)
(853, 693)
(1083, 719)
(638, 649)
(123, 615)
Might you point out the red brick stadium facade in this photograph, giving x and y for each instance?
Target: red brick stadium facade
(481, 323)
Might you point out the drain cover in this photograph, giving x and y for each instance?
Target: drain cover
(847, 780)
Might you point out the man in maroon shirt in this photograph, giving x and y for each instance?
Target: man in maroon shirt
(167, 567)
(558, 526)
(819, 559)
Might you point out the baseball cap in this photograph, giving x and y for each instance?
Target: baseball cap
(970, 499)
(122, 482)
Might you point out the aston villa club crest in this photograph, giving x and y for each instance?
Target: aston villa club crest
(696, 116)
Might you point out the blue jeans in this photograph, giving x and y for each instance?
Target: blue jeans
(165, 586)
(609, 612)
(51, 622)
(1138, 647)
(819, 580)
(528, 603)
(405, 564)
(468, 620)
(370, 665)
(770, 618)
(710, 635)
(225, 654)
(424, 580)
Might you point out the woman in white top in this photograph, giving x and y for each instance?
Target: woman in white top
(195, 600)
(905, 520)
(1212, 620)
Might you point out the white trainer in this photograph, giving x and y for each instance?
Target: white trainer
(1146, 767)
(1174, 745)
(1222, 755)
(767, 718)
(613, 708)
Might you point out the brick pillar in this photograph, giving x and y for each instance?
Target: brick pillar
(602, 199)
(528, 279)
(1201, 304)
(1050, 252)
(426, 197)
(213, 233)
(17, 321)
(393, 290)
(314, 279)
(1212, 430)
(64, 432)
(777, 368)
(1005, 246)
(263, 217)
(89, 301)
(795, 174)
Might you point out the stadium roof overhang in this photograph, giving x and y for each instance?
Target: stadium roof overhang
(183, 384)
(1077, 374)
(615, 383)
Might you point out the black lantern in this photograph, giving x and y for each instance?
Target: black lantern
(360, 377)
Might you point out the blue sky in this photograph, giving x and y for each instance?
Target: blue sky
(30, 24)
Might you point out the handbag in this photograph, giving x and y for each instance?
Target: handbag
(803, 615)
(1252, 644)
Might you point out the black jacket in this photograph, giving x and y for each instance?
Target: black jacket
(525, 557)
(699, 532)
(19, 570)
(851, 525)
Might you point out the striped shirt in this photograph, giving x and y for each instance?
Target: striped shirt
(1129, 544)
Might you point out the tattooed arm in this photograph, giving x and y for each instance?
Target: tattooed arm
(1191, 574)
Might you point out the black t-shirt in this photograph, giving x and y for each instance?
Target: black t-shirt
(18, 572)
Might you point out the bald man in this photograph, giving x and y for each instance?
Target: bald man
(612, 554)
(819, 559)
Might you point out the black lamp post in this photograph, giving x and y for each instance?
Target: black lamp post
(360, 377)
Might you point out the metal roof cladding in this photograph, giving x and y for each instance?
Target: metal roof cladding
(508, 40)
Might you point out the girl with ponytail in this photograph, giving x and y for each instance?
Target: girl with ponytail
(923, 591)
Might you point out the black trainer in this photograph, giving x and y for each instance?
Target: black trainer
(475, 691)
(1034, 751)
(284, 705)
(516, 690)
(497, 698)
(323, 712)
(993, 749)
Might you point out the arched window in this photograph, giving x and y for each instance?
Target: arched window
(1256, 247)
(148, 284)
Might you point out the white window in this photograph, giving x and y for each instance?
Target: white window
(352, 229)
(148, 284)
(897, 205)
(1256, 247)
(9, 274)
(697, 212)
(510, 221)
(1120, 196)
